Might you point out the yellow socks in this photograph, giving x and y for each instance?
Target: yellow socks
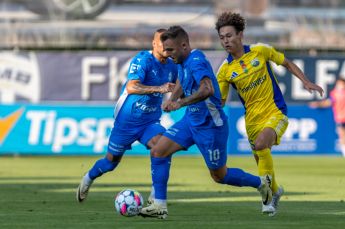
(265, 166)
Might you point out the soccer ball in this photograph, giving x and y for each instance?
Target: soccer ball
(128, 202)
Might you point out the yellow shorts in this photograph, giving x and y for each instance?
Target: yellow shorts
(278, 122)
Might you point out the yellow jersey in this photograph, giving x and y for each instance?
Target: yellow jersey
(253, 78)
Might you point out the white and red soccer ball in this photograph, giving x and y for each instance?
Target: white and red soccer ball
(128, 202)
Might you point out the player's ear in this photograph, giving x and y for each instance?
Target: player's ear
(240, 33)
(184, 45)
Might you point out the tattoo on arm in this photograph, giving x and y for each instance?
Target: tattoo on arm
(205, 90)
(135, 87)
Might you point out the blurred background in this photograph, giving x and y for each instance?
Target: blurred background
(63, 63)
(128, 24)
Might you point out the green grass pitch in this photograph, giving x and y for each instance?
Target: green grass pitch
(39, 192)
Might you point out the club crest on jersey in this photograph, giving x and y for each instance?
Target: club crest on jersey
(233, 75)
(255, 62)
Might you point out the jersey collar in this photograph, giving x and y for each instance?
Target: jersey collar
(246, 50)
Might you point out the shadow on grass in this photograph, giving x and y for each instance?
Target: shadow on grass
(53, 205)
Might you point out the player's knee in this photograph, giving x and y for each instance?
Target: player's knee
(217, 178)
(113, 158)
(260, 145)
(155, 152)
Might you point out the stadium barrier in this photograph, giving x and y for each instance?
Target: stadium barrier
(71, 82)
(83, 130)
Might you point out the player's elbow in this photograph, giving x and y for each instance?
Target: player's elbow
(207, 92)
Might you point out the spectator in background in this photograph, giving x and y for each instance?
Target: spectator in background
(336, 100)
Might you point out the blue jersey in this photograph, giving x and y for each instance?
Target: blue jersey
(136, 109)
(208, 112)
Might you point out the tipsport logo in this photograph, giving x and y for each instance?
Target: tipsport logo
(49, 131)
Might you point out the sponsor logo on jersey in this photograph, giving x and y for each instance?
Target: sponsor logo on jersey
(254, 84)
(134, 68)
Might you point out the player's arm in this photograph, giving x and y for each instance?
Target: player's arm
(175, 95)
(205, 90)
(224, 90)
(323, 103)
(223, 83)
(135, 87)
(295, 70)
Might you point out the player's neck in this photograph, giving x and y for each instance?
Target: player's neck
(238, 53)
(159, 57)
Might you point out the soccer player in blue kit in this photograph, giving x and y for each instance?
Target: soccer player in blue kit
(138, 110)
(204, 124)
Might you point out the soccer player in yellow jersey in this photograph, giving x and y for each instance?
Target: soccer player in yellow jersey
(247, 69)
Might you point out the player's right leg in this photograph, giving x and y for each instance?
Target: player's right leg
(275, 200)
(174, 139)
(101, 166)
(119, 141)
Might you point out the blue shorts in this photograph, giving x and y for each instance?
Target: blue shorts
(211, 141)
(122, 137)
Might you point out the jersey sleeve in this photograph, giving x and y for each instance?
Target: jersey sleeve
(270, 53)
(137, 68)
(224, 85)
(174, 73)
(200, 70)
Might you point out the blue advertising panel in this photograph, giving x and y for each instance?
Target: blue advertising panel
(75, 130)
(310, 131)
(64, 129)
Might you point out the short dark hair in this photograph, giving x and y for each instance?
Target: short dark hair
(175, 32)
(231, 19)
(161, 30)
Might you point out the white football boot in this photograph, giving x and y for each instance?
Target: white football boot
(275, 200)
(266, 194)
(155, 210)
(83, 188)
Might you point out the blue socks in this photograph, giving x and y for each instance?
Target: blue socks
(237, 177)
(102, 166)
(160, 168)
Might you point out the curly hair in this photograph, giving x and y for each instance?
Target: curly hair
(231, 19)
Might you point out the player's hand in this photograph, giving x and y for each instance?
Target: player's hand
(165, 106)
(167, 87)
(313, 87)
(168, 106)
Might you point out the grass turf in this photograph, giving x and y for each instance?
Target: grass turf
(39, 192)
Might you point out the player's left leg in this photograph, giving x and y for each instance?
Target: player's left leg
(269, 136)
(214, 151)
(341, 134)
